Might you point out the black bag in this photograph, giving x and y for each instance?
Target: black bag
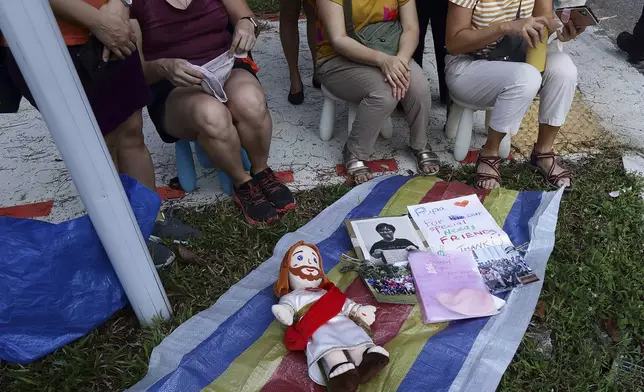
(89, 60)
(10, 96)
(509, 48)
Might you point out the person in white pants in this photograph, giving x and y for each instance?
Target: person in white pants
(510, 87)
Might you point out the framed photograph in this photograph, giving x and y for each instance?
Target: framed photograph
(385, 240)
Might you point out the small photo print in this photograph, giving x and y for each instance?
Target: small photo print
(387, 240)
(503, 269)
(389, 280)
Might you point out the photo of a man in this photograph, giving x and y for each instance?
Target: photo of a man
(385, 240)
(389, 241)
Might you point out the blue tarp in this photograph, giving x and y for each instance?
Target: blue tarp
(56, 281)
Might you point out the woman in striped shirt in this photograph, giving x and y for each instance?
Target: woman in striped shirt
(473, 25)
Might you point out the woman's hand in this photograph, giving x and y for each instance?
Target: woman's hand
(532, 29)
(397, 73)
(397, 92)
(569, 31)
(114, 31)
(180, 73)
(244, 37)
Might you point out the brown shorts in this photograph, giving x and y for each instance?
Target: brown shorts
(120, 92)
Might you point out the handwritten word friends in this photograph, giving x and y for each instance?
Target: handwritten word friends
(468, 235)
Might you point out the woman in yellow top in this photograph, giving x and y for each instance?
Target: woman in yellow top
(473, 28)
(375, 81)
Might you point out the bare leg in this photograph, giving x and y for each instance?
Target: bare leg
(247, 104)
(490, 149)
(545, 142)
(311, 30)
(290, 38)
(191, 114)
(131, 153)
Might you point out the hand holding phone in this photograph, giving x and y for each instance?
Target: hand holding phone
(582, 17)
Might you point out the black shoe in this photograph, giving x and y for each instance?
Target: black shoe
(174, 229)
(316, 83)
(297, 98)
(256, 208)
(629, 44)
(162, 256)
(276, 193)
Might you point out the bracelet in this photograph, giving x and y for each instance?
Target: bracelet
(252, 20)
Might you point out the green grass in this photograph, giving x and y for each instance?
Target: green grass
(594, 274)
(264, 6)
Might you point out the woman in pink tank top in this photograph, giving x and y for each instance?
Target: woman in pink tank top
(174, 37)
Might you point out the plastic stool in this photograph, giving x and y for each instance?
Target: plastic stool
(459, 126)
(327, 119)
(186, 166)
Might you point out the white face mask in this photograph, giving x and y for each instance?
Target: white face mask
(216, 73)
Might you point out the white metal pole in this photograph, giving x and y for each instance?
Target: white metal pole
(33, 36)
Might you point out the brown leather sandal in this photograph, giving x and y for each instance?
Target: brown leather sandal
(551, 179)
(493, 162)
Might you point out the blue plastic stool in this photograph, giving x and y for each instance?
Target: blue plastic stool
(186, 166)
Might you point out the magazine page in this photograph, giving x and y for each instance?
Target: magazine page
(460, 224)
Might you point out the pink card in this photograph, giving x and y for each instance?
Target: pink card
(451, 287)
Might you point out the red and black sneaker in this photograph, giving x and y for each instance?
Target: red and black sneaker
(277, 193)
(257, 210)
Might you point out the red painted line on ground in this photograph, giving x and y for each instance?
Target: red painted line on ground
(292, 372)
(33, 210)
(168, 193)
(285, 176)
(472, 156)
(379, 166)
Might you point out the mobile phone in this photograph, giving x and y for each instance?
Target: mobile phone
(581, 16)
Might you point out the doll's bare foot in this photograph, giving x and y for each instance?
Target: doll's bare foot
(373, 361)
(343, 377)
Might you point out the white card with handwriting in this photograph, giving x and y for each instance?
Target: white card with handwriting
(460, 224)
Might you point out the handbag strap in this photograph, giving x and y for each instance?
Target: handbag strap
(347, 7)
(519, 10)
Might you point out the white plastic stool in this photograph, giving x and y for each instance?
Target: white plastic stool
(327, 119)
(459, 126)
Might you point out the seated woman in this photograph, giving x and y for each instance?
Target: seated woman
(290, 37)
(510, 87)
(177, 33)
(374, 80)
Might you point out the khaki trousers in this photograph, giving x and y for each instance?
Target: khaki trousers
(365, 86)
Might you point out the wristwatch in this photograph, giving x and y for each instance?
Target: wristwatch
(253, 21)
(127, 3)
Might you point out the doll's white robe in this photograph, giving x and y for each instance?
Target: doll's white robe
(339, 333)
